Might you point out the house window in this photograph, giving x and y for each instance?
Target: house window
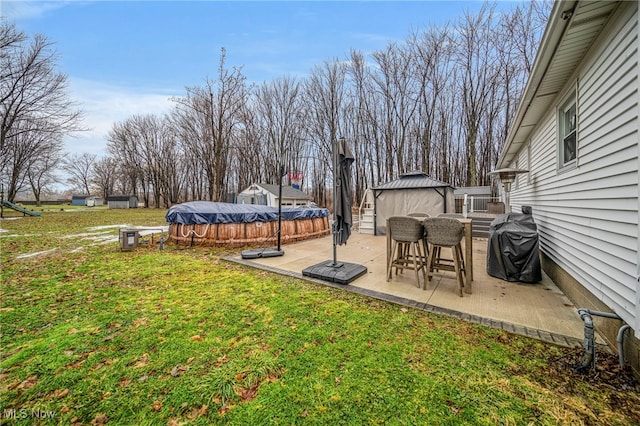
(568, 124)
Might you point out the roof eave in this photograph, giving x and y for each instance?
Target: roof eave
(551, 39)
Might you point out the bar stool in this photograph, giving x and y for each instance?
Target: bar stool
(422, 216)
(456, 216)
(445, 232)
(408, 249)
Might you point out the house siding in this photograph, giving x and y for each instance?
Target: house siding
(587, 216)
(271, 196)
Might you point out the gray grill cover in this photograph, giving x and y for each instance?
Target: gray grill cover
(513, 250)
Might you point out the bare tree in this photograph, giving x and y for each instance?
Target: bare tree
(41, 172)
(33, 99)
(21, 151)
(210, 115)
(80, 170)
(104, 176)
(125, 146)
(249, 150)
(280, 110)
(324, 92)
(479, 74)
(400, 91)
(168, 164)
(365, 126)
(432, 52)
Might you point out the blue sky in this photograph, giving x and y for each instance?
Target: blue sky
(129, 57)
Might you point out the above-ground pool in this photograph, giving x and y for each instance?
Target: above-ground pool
(238, 225)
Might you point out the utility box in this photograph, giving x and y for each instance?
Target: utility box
(129, 238)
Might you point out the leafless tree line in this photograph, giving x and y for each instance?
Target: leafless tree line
(35, 112)
(440, 102)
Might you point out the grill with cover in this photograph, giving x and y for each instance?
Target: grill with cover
(513, 250)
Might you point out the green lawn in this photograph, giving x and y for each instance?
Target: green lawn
(94, 335)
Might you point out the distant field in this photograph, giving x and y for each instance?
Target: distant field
(8, 212)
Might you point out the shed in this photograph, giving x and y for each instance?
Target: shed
(81, 200)
(122, 201)
(267, 194)
(95, 201)
(413, 192)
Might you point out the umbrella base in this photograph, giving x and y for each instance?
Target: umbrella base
(260, 253)
(339, 272)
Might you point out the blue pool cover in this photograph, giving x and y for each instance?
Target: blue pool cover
(201, 212)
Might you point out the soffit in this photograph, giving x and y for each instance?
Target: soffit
(564, 46)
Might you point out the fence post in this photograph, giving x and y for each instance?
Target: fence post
(464, 206)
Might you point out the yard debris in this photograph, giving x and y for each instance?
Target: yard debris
(143, 361)
(179, 370)
(140, 321)
(607, 371)
(195, 412)
(28, 383)
(100, 419)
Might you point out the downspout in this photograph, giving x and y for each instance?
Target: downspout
(589, 357)
(619, 342)
(589, 344)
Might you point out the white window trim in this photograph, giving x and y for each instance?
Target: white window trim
(570, 98)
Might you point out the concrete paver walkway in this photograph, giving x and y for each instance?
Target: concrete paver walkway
(539, 310)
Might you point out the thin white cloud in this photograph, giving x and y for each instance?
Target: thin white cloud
(24, 9)
(104, 105)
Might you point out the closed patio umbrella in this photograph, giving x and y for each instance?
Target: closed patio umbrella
(344, 196)
(332, 270)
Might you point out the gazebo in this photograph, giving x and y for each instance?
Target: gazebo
(413, 192)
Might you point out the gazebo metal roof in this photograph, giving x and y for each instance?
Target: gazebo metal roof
(413, 180)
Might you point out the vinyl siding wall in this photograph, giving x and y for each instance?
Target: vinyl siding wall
(588, 216)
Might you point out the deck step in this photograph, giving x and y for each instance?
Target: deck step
(366, 222)
(481, 226)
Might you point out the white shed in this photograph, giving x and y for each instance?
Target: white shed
(122, 201)
(577, 132)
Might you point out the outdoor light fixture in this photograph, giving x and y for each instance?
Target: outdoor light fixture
(507, 176)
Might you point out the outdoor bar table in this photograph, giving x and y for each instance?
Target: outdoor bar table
(468, 252)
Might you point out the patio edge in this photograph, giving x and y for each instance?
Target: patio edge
(542, 335)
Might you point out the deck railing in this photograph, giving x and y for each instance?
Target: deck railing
(478, 203)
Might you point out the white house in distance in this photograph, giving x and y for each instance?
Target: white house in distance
(577, 132)
(267, 194)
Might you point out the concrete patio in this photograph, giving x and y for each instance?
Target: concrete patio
(539, 310)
